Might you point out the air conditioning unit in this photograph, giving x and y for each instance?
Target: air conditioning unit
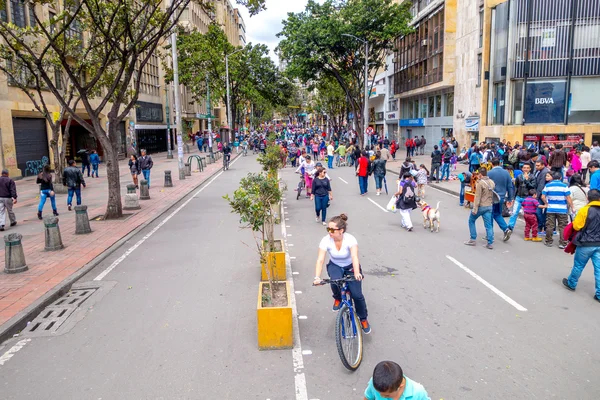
(424, 42)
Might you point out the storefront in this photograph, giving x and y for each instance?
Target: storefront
(472, 128)
(539, 141)
(392, 125)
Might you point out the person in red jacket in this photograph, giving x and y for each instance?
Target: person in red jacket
(362, 171)
(408, 145)
(393, 149)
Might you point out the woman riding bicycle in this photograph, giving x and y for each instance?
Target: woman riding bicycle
(307, 166)
(342, 248)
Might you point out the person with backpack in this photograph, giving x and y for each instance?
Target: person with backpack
(408, 145)
(379, 171)
(482, 207)
(417, 145)
(447, 157)
(407, 200)
(436, 162)
(423, 143)
(407, 166)
(504, 189)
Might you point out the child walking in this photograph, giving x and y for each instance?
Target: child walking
(530, 206)
(421, 178)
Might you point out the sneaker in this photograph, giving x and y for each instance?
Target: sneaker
(39, 214)
(461, 205)
(324, 223)
(1, 228)
(536, 239)
(541, 233)
(565, 283)
(507, 234)
(55, 213)
(471, 242)
(337, 304)
(13, 223)
(527, 239)
(548, 244)
(410, 229)
(69, 207)
(365, 326)
(597, 299)
(561, 246)
(378, 194)
(317, 219)
(489, 247)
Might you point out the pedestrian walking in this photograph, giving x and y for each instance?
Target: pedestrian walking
(342, 249)
(362, 171)
(379, 171)
(8, 197)
(199, 143)
(436, 162)
(134, 169)
(557, 199)
(505, 190)
(407, 200)
(540, 181)
(423, 143)
(530, 206)
(585, 160)
(447, 157)
(146, 164)
(44, 179)
(330, 155)
(421, 178)
(523, 184)
(587, 240)
(593, 167)
(558, 160)
(73, 180)
(579, 193)
(85, 162)
(482, 207)
(407, 166)
(321, 194)
(393, 149)
(389, 382)
(95, 161)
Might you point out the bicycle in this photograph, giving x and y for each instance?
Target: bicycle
(245, 151)
(341, 161)
(225, 162)
(348, 332)
(301, 185)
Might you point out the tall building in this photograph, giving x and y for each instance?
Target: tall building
(542, 71)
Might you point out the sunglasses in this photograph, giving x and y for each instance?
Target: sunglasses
(331, 230)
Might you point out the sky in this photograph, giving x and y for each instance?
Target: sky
(263, 27)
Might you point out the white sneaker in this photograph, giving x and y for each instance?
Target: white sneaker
(317, 219)
(324, 223)
(378, 193)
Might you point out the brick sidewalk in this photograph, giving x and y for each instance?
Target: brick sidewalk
(49, 269)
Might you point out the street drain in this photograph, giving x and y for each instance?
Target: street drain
(57, 313)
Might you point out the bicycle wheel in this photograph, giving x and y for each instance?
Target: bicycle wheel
(299, 190)
(349, 344)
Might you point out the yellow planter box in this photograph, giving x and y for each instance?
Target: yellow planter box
(276, 260)
(274, 324)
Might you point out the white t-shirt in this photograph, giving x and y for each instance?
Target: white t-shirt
(330, 150)
(341, 257)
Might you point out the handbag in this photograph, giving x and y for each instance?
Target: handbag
(391, 205)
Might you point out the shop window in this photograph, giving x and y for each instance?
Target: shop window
(438, 105)
(481, 27)
(498, 103)
(17, 8)
(449, 100)
(517, 114)
(479, 68)
(583, 100)
(423, 108)
(431, 107)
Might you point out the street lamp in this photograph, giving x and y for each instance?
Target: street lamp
(366, 104)
(229, 121)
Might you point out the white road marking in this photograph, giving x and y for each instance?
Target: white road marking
(307, 352)
(291, 245)
(13, 350)
(297, 358)
(298, 292)
(374, 202)
(292, 258)
(153, 231)
(289, 234)
(488, 285)
(343, 180)
(287, 226)
(302, 317)
(296, 273)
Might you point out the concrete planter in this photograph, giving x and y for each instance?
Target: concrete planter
(274, 324)
(275, 260)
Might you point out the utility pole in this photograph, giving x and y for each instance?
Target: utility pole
(177, 102)
(169, 151)
(208, 113)
(229, 121)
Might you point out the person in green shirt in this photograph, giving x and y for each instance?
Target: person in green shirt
(389, 382)
(341, 151)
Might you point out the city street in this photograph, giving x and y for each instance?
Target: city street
(175, 315)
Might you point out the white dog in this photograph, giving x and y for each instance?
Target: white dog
(430, 216)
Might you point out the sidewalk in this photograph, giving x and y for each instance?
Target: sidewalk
(21, 294)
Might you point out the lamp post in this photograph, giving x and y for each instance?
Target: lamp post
(229, 121)
(169, 151)
(366, 102)
(178, 125)
(209, 115)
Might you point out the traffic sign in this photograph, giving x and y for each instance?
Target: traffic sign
(370, 131)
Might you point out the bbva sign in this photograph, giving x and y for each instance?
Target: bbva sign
(544, 100)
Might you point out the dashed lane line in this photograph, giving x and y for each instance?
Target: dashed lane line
(374, 202)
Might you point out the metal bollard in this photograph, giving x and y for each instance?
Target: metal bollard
(53, 239)
(14, 257)
(82, 221)
(168, 179)
(131, 199)
(188, 169)
(144, 192)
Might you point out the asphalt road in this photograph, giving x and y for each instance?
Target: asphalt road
(180, 321)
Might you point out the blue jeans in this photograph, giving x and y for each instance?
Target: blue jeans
(84, 166)
(44, 194)
(497, 215)
(363, 183)
(486, 213)
(582, 256)
(355, 287)
(435, 168)
(461, 195)
(349, 160)
(516, 208)
(445, 171)
(379, 181)
(330, 162)
(95, 170)
(77, 192)
(321, 206)
(146, 173)
(541, 218)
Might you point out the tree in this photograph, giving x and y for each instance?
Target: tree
(313, 44)
(331, 100)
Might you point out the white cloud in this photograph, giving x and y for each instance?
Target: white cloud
(264, 27)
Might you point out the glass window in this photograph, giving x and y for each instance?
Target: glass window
(32, 21)
(3, 16)
(479, 68)
(423, 108)
(438, 105)
(17, 8)
(498, 104)
(57, 79)
(481, 27)
(431, 107)
(584, 106)
(52, 26)
(449, 99)
(517, 103)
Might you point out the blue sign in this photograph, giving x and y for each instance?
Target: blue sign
(350, 115)
(412, 122)
(545, 102)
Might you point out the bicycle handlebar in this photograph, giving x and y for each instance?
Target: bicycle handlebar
(349, 278)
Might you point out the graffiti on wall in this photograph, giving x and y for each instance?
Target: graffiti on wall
(34, 167)
(9, 158)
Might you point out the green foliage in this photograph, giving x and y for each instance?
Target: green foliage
(271, 159)
(314, 46)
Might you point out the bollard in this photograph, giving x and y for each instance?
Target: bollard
(188, 169)
(59, 188)
(210, 159)
(53, 239)
(14, 258)
(203, 159)
(144, 192)
(131, 199)
(168, 179)
(82, 222)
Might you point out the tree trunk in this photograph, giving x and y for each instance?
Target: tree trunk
(114, 207)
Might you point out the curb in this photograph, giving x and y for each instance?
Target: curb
(19, 321)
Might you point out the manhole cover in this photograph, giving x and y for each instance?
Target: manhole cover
(57, 313)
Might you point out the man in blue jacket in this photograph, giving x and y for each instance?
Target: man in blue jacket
(593, 167)
(504, 188)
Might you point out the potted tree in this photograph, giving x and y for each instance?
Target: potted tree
(253, 201)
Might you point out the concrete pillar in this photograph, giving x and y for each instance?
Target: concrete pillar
(14, 257)
(59, 188)
(131, 199)
(144, 192)
(82, 221)
(188, 169)
(203, 162)
(53, 239)
(168, 179)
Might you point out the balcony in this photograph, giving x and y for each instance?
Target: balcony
(377, 90)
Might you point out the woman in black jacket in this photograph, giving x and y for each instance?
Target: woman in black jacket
(379, 171)
(321, 194)
(44, 179)
(134, 168)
